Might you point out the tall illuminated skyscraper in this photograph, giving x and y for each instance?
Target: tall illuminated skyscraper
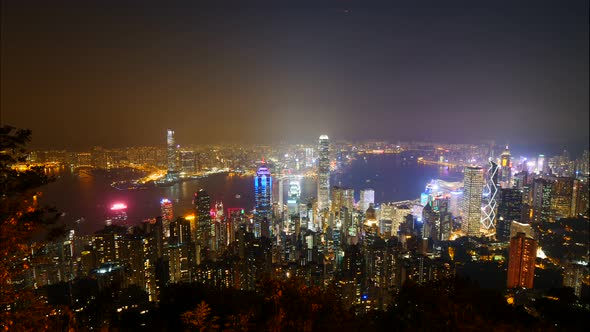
(490, 197)
(167, 215)
(323, 173)
(509, 210)
(562, 194)
(521, 262)
(542, 192)
(540, 168)
(505, 168)
(472, 198)
(202, 203)
(308, 157)
(367, 198)
(171, 156)
(294, 195)
(455, 202)
(263, 196)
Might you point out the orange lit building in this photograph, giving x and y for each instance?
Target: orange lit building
(521, 263)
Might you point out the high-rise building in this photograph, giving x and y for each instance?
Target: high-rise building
(171, 156)
(366, 199)
(505, 168)
(455, 202)
(580, 197)
(521, 261)
(308, 157)
(490, 197)
(540, 168)
(294, 194)
(181, 253)
(263, 196)
(203, 222)
(509, 210)
(323, 173)
(342, 197)
(562, 192)
(542, 189)
(472, 197)
(167, 213)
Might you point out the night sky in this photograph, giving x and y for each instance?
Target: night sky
(118, 74)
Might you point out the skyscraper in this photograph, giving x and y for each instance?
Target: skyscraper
(180, 251)
(455, 202)
(521, 262)
(323, 173)
(202, 203)
(263, 194)
(509, 210)
(308, 157)
(294, 194)
(506, 168)
(562, 192)
(167, 215)
(367, 198)
(171, 157)
(472, 194)
(540, 168)
(490, 199)
(541, 200)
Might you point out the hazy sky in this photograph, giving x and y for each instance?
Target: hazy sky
(114, 74)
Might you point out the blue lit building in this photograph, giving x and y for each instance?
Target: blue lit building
(263, 194)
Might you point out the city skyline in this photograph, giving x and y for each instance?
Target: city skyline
(381, 72)
(341, 165)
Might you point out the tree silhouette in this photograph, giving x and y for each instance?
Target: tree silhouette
(20, 220)
(200, 318)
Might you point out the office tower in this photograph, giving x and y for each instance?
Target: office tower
(293, 199)
(580, 197)
(521, 261)
(506, 168)
(235, 219)
(541, 201)
(367, 198)
(342, 197)
(181, 253)
(308, 157)
(455, 202)
(263, 194)
(219, 231)
(203, 222)
(540, 168)
(171, 157)
(490, 199)
(509, 209)
(521, 180)
(167, 215)
(471, 208)
(323, 173)
(562, 192)
(281, 198)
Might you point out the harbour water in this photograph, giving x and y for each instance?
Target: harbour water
(89, 195)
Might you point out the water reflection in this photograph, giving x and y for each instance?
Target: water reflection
(89, 194)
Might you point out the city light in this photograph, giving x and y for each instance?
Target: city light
(118, 206)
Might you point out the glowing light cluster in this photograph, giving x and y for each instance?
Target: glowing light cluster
(118, 206)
